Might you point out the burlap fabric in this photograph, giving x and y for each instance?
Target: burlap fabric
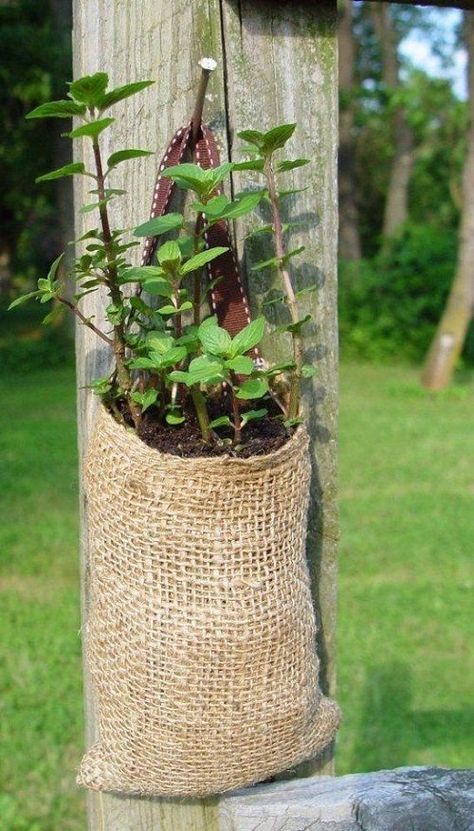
(200, 637)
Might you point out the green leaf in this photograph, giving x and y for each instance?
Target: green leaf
(168, 309)
(115, 313)
(252, 136)
(308, 370)
(118, 94)
(123, 155)
(276, 369)
(242, 365)
(175, 310)
(23, 299)
(140, 306)
(145, 399)
(253, 415)
(214, 339)
(292, 422)
(281, 298)
(294, 328)
(222, 421)
(53, 270)
(214, 207)
(86, 209)
(187, 176)
(101, 386)
(92, 129)
(277, 137)
(89, 89)
(253, 388)
(67, 170)
(140, 273)
(206, 369)
(253, 164)
(142, 363)
(199, 260)
(169, 255)
(201, 370)
(57, 109)
(158, 288)
(180, 377)
(174, 418)
(273, 262)
(215, 175)
(53, 316)
(159, 342)
(293, 253)
(189, 339)
(282, 167)
(249, 337)
(160, 225)
(173, 356)
(243, 205)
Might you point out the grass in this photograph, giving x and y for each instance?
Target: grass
(40, 666)
(404, 598)
(405, 626)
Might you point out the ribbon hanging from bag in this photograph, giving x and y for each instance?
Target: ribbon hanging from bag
(228, 298)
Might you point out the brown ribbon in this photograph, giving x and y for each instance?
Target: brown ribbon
(228, 298)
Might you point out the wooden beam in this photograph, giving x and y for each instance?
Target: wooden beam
(445, 4)
(276, 62)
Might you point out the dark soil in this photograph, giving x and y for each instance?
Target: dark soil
(258, 437)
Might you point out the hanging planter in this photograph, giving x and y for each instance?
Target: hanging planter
(200, 637)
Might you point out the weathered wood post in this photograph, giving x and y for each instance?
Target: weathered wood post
(276, 63)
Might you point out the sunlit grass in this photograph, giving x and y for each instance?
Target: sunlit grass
(406, 580)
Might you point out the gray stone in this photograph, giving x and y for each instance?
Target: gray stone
(403, 799)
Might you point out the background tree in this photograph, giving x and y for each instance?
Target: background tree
(349, 239)
(451, 333)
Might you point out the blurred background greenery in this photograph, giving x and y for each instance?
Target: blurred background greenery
(406, 482)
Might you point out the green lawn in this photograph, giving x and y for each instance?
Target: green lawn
(405, 628)
(404, 624)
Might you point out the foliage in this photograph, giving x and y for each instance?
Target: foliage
(161, 344)
(389, 305)
(436, 116)
(35, 57)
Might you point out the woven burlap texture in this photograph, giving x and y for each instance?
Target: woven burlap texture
(200, 635)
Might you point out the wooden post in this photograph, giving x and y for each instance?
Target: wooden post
(276, 62)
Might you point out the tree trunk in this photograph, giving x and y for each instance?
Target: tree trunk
(451, 333)
(276, 63)
(349, 240)
(396, 202)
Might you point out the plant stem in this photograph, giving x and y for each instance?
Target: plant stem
(197, 287)
(235, 411)
(85, 320)
(201, 412)
(296, 375)
(119, 345)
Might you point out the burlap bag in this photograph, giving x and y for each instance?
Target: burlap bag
(200, 637)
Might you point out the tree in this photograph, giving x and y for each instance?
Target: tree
(451, 333)
(396, 203)
(349, 239)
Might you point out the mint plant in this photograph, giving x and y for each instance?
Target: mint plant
(168, 355)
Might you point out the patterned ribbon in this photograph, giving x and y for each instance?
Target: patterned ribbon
(228, 298)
